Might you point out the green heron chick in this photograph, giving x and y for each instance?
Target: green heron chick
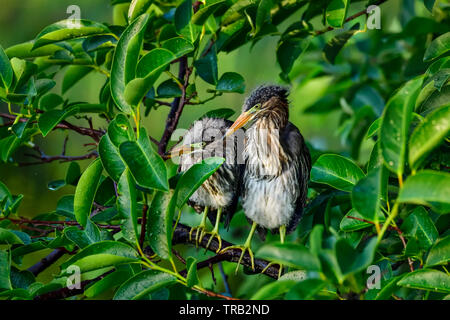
(277, 165)
(220, 192)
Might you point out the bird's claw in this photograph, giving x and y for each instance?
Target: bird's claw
(214, 234)
(199, 234)
(271, 264)
(243, 249)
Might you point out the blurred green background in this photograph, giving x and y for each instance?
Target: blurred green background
(22, 20)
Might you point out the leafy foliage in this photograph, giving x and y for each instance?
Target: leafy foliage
(390, 91)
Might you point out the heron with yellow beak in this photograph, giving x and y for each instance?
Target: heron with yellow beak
(277, 165)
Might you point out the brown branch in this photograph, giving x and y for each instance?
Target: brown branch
(93, 133)
(143, 225)
(176, 106)
(51, 223)
(181, 235)
(62, 158)
(356, 15)
(47, 261)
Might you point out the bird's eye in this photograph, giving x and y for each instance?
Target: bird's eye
(255, 108)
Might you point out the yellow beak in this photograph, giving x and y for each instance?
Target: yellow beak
(241, 121)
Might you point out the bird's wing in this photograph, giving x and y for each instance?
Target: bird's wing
(295, 145)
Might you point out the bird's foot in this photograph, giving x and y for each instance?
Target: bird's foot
(214, 234)
(280, 271)
(199, 233)
(243, 248)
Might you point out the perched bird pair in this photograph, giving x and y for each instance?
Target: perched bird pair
(272, 177)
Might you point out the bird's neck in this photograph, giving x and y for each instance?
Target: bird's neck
(264, 154)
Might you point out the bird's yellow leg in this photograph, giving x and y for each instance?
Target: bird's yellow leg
(200, 229)
(215, 232)
(282, 237)
(244, 248)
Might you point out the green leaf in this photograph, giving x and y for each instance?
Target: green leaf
(336, 12)
(168, 89)
(6, 71)
(74, 74)
(428, 188)
(102, 254)
(149, 69)
(420, 226)
(263, 14)
(73, 173)
(335, 45)
(138, 7)
(290, 254)
(146, 166)
(374, 128)
(142, 284)
(194, 177)
(85, 191)
(110, 157)
(127, 206)
(366, 194)
(50, 119)
(67, 30)
(206, 67)
(203, 13)
(223, 113)
(395, 125)
(125, 61)
(439, 46)
(8, 237)
(183, 14)
(288, 51)
(428, 134)
(273, 290)
(336, 171)
(110, 281)
(350, 260)
(439, 253)
(50, 101)
(429, 4)
(427, 279)
(178, 46)
(25, 50)
(5, 281)
(305, 290)
(192, 276)
(231, 82)
(160, 221)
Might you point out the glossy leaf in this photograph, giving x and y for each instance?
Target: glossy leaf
(69, 29)
(178, 46)
(50, 119)
(126, 205)
(160, 221)
(183, 14)
(427, 279)
(194, 177)
(439, 46)
(336, 12)
(125, 61)
(203, 13)
(367, 194)
(5, 281)
(395, 125)
(192, 276)
(290, 254)
(439, 253)
(305, 290)
(102, 254)
(142, 284)
(110, 157)
(85, 191)
(350, 260)
(146, 166)
(223, 113)
(428, 188)
(231, 82)
(110, 281)
(9, 237)
(138, 7)
(6, 71)
(273, 290)
(420, 226)
(206, 67)
(336, 171)
(428, 135)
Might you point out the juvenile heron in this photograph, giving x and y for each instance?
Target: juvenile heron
(277, 165)
(220, 192)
